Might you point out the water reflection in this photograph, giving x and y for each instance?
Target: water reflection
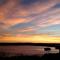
(27, 50)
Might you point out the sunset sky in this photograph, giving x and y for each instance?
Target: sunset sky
(36, 21)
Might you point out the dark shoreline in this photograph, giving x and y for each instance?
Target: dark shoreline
(31, 44)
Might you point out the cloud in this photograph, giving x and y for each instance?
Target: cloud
(26, 29)
(49, 18)
(14, 21)
(12, 8)
(38, 7)
(40, 14)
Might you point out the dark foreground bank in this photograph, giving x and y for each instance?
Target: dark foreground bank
(34, 57)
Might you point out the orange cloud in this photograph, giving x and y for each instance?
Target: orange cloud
(14, 21)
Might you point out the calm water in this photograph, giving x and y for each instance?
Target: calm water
(26, 50)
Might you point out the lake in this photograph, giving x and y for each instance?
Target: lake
(26, 50)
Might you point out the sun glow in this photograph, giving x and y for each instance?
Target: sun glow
(31, 39)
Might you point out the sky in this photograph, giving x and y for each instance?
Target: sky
(36, 21)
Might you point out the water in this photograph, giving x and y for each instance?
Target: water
(25, 50)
